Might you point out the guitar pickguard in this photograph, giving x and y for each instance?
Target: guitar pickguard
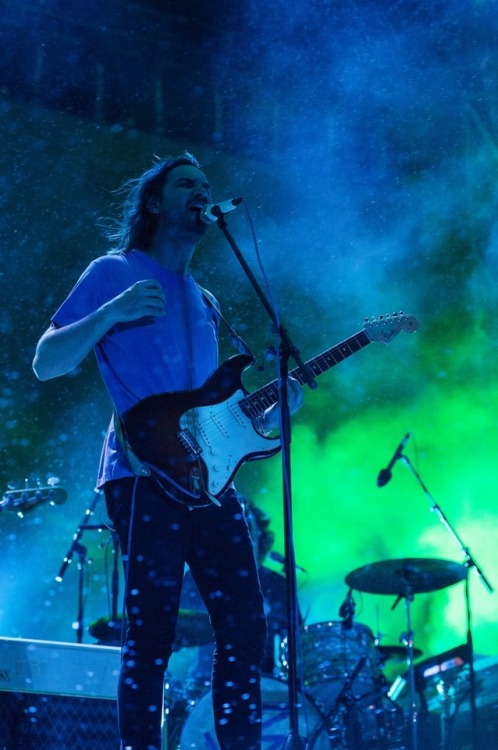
(227, 437)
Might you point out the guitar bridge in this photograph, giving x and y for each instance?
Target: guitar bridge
(189, 443)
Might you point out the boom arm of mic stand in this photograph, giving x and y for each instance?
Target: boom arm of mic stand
(76, 537)
(470, 561)
(68, 556)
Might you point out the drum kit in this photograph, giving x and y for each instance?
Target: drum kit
(345, 699)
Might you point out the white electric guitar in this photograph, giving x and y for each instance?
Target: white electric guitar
(194, 442)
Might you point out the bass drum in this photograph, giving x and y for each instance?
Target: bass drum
(331, 653)
(198, 731)
(331, 650)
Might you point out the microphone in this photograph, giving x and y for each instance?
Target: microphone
(385, 474)
(277, 557)
(212, 212)
(347, 610)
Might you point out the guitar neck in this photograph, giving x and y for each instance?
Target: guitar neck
(22, 501)
(256, 403)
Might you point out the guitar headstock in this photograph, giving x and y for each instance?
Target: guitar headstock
(24, 500)
(386, 327)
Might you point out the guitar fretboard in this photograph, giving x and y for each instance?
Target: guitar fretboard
(256, 403)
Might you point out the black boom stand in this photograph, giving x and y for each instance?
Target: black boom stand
(77, 548)
(286, 350)
(469, 562)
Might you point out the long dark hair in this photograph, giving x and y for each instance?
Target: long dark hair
(137, 225)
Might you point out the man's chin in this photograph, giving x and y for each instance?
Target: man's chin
(198, 227)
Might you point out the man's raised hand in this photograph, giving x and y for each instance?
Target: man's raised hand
(143, 299)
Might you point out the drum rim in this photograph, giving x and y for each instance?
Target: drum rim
(329, 624)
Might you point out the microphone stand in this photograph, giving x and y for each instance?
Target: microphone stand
(469, 562)
(287, 350)
(80, 550)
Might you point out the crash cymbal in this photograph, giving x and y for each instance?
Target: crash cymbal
(411, 575)
(193, 629)
(398, 653)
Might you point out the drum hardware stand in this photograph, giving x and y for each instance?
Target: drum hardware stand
(450, 702)
(286, 350)
(469, 562)
(407, 640)
(446, 715)
(344, 700)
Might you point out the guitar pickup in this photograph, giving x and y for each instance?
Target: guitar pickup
(189, 442)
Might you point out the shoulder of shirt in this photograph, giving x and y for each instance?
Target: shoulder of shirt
(112, 262)
(111, 258)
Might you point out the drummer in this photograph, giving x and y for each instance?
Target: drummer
(274, 591)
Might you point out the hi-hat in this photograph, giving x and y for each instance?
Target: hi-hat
(107, 630)
(192, 629)
(411, 575)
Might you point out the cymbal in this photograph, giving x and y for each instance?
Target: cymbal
(411, 575)
(399, 653)
(106, 630)
(193, 629)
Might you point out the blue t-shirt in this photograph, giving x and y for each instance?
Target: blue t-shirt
(174, 352)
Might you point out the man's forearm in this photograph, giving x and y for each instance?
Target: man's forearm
(60, 350)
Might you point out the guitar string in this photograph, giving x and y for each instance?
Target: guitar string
(252, 404)
(318, 365)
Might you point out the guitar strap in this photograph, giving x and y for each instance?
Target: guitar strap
(138, 468)
(236, 340)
